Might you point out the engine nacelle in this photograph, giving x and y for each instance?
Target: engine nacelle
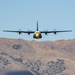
(45, 33)
(19, 33)
(28, 33)
(55, 33)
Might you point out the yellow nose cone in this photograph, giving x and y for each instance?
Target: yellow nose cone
(37, 35)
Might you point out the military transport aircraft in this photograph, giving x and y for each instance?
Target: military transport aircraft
(37, 33)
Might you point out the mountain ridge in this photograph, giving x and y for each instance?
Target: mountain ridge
(19, 56)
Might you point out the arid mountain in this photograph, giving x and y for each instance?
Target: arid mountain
(21, 57)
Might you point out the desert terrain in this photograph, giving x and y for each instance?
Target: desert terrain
(23, 57)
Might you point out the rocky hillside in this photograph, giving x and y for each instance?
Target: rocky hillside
(21, 57)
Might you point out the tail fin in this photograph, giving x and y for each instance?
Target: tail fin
(37, 25)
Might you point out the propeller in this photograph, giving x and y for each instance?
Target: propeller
(46, 33)
(55, 32)
(19, 31)
(28, 33)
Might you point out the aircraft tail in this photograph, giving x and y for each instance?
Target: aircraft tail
(37, 26)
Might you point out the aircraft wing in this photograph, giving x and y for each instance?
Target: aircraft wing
(29, 32)
(55, 31)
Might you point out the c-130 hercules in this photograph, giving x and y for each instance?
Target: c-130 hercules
(37, 34)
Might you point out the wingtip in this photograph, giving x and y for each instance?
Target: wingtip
(70, 30)
(3, 30)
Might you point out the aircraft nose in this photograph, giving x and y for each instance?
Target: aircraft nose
(37, 35)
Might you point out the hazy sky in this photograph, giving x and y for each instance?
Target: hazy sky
(51, 15)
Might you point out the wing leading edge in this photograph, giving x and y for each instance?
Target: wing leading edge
(40, 31)
(55, 31)
(29, 32)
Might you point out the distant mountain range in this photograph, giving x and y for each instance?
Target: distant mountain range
(23, 57)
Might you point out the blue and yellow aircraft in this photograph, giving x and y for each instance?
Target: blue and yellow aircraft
(37, 34)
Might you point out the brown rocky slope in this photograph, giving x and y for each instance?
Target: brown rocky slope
(22, 57)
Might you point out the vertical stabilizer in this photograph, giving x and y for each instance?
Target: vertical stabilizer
(37, 25)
